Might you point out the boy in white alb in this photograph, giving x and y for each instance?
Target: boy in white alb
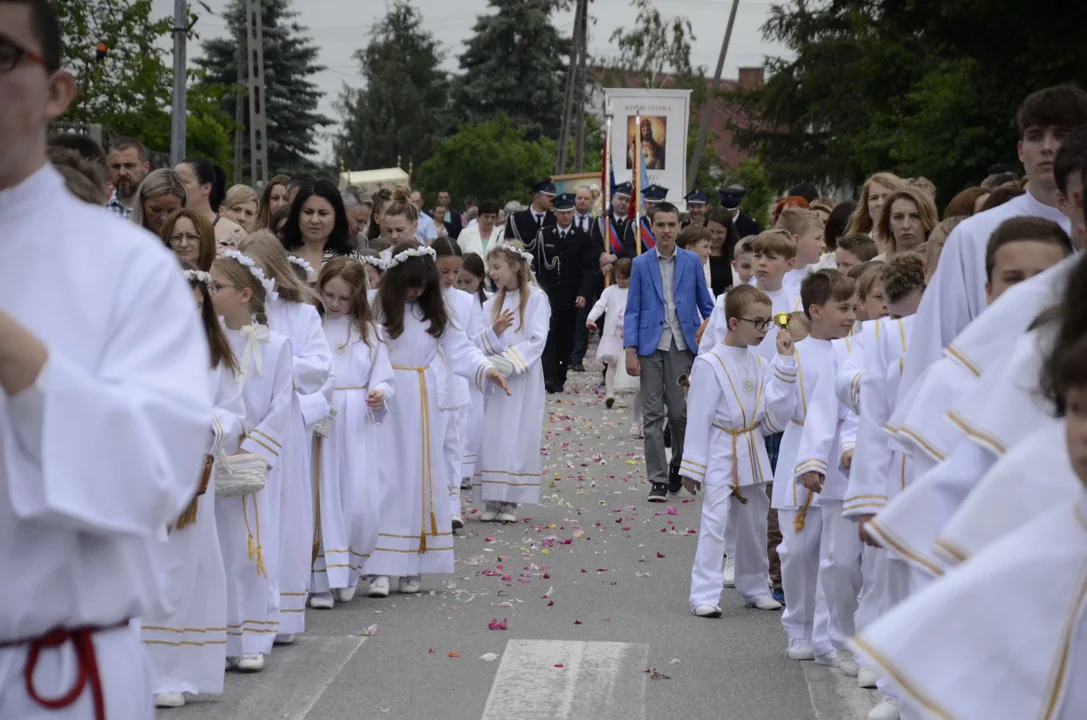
(730, 401)
(827, 298)
(806, 229)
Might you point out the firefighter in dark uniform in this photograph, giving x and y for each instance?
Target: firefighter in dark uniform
(696, 207)
(564, 261)
(525, 224)
(731, 197)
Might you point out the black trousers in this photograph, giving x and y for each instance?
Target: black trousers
(560, 343)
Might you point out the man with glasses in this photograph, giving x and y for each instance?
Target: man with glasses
(104, 411)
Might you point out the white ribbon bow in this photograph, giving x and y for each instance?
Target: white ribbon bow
(254, 335)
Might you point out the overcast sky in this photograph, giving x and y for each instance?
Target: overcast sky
(339, 27)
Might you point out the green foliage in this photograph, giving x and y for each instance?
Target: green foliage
(594, 146)
(291, 96)
(753, 178)
(515, 63)
(394, 116)
(924, 87)
(129, 91)
(712, 169)
(493, 159)
(654, 53)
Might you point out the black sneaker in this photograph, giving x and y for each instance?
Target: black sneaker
(608, 403)
(659, 493)
(675, 482)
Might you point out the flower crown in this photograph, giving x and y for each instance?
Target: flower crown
(301, 263)
(404, 255)
(198, 276)
(268, 285)
(377, 262)
(523, 254)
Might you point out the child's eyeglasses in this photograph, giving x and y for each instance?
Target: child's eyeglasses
(759, 323)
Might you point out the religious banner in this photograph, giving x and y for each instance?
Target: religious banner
(659, 120)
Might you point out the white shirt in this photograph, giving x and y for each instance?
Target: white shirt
(104, 449)
(426, 229)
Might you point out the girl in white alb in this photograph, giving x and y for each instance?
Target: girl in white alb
(346, 479)
(612, 304)
(509, 458)
(187, 647)
(248, 525)
(415, 534)
(292, 313)
(471, 280)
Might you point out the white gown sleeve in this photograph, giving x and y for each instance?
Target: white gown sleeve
(316, 406)
(820, 424)
(867, 490)
(848, 434)
(482, 333)
(716, 328)
(781, 393)
(463, 357)
(382, 376)
(266, 438)
(601, 304)
(529, 351)
(313, 360)
(138, 421)
(229, 415)
(703, 402)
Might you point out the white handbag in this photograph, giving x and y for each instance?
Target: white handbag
(502, 365)
(624, 382)
(240, 475)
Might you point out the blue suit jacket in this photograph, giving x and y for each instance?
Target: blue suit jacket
(643, 321)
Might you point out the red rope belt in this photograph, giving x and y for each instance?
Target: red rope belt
(83, 643)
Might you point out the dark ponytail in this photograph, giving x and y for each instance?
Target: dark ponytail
(208, 173)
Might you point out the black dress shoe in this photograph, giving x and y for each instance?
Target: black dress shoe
(552, 388)
(578, 368)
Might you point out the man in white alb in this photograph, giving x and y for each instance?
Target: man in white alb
(104, 412)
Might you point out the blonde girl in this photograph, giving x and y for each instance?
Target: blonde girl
(248, 525)
(292, 313)
(187, 646)
(347, 481)
(509, 457)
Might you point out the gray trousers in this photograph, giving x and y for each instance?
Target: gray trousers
(660, 390)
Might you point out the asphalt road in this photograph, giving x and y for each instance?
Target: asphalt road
(592, 587)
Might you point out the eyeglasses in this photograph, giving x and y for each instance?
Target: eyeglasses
(190, 238)
(11, 54)
(759, 324)
(216, 288)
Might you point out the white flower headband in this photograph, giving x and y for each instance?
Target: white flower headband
(404, 255)
(301, 263)
(269, 285)
(377, 262)
(198, 276)
(523, 254)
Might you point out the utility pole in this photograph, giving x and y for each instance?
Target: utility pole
(579, 162)
(571, 80)
(258, 127)
(707, 108)
(177, 120)
(239, 113)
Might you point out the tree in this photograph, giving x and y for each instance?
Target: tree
(129, 89)
(655, 53)
(919, 88)
(395, 115)
(492, 159)
(291, 96)
(515, 63)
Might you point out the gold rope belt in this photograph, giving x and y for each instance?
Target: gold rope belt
(428, 473)
(735, 458)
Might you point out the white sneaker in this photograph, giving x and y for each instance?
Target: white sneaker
(867, 676)
(379, 587)
(708, 611)
(409, 585)
(345, 595)
(458, 522)
(763, 603)
(251, 663)
(490, 514)
(506, 515)
(829, 659)
(636, 431)
(283, 639)
(322, 601)
(169, 700)
(847, 664)
(730, 573)
(800, 650)
(886, 710)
